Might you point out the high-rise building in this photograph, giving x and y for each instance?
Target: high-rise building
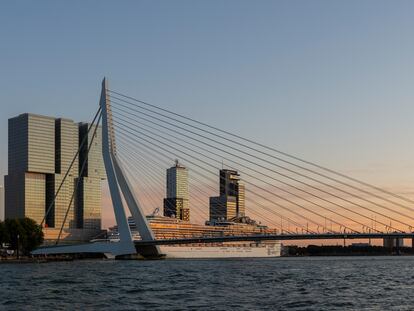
(230, 203)
(66, 146)
(41, 150)
(89, 190)
(176, 203)
(1, 203)
(31, 158)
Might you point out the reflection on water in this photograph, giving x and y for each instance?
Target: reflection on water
(340, 283)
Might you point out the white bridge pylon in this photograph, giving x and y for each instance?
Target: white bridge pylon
(119, 187)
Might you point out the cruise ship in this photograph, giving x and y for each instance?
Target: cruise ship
(173, 228)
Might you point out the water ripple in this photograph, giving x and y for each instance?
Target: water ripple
(370, 283)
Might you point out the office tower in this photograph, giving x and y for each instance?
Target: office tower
(176, 203)
(31, 158)
(230, 203)
(89, 190)
(65, 148)
(41, 150)
(1, 203)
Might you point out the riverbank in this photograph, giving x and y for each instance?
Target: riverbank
(339, 250)
(23, 260)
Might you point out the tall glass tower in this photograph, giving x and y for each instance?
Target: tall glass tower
(176, 203)
(41, 150)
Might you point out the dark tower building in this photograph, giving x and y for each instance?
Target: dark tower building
(230, 203)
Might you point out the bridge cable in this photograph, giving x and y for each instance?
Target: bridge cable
(69, 169)
(216, 168)
(287, 200)
(284, 190)
(79, 179)
(277, 151)
(150, 148)
(155, 165)
(192, 177)
(142, 169)
(282, 167)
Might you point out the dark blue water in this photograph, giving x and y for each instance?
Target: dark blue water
(369, 283)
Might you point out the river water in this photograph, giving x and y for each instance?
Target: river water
(317, 283)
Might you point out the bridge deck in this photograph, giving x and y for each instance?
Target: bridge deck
(279, 237)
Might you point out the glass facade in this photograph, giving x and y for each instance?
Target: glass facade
(89, 191)
(89, 203)
(14, 195)
(222, 208)
(35, 196)
(31, 158)
(176, 204)
(66, 146)
(41, 150)
(231, 202)
(94, 167)
(56, 217)
(40, 145)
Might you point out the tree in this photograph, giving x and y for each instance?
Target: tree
(3, 234)
(23, 233)
(33, 234)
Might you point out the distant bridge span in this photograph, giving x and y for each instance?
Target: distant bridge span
(273, 177)
(275, 237)
(143, 246)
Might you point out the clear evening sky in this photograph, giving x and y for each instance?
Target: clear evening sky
(330, 81)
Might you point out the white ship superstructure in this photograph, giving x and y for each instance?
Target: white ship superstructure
(169, 228)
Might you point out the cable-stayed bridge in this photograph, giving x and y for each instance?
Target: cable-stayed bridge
(300, 199)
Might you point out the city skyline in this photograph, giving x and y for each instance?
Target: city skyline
(355, 117)
(207, 155)
(55, 173)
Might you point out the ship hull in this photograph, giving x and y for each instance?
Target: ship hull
(203, 252)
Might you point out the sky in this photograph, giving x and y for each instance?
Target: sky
(329, 81)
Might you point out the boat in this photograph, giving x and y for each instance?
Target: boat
(170, 228)
(226, 251)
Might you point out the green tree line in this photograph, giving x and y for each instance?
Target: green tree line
(24, 233)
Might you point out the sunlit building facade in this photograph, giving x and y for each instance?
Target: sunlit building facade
(41, 150)
(176, 204)
(66, 146)
(89, 190)
(31, 158)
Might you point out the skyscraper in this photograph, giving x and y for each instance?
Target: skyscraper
(176, 203)
(31, 158)
(41, 150)
(230, 203)
(89, 191)
(66, 145)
